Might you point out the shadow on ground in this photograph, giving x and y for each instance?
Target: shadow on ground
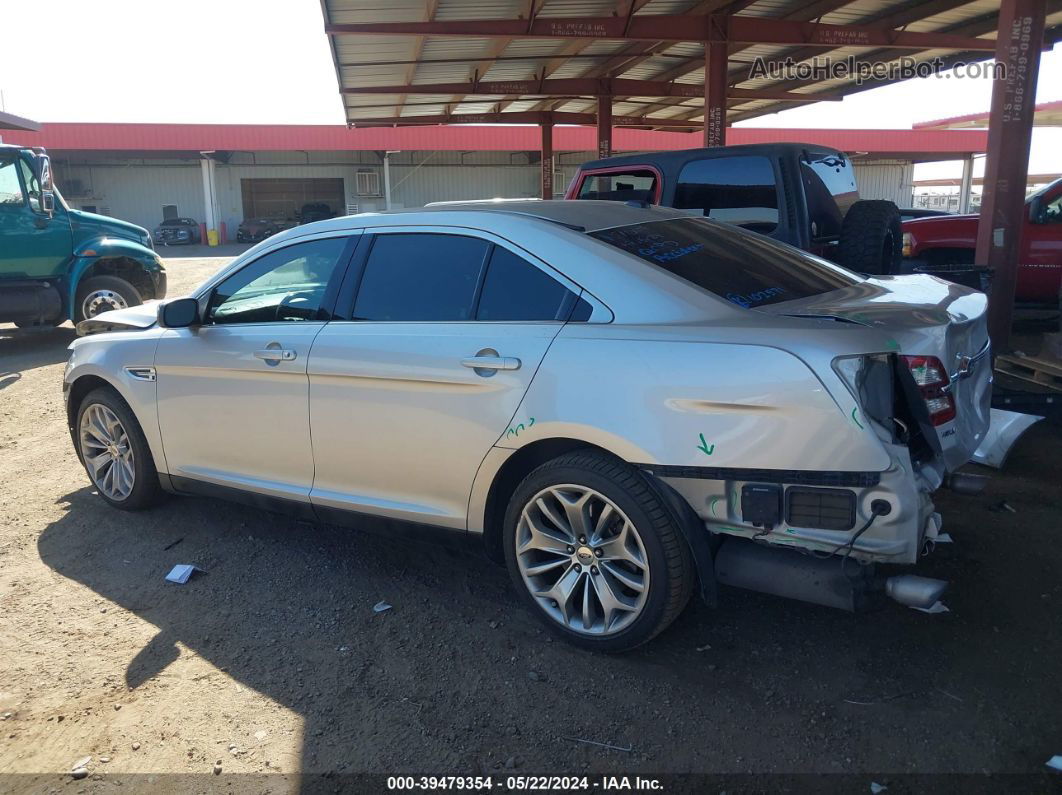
(443, 681)
(28, 349)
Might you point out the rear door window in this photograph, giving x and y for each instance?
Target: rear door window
(515, 290)
(636, 184)
(421, 277)
(739, 190)
(747, 270)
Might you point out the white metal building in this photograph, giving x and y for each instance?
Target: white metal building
(144, 173)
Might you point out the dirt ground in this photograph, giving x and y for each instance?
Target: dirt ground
(274, 661)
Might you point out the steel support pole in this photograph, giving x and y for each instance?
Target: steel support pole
(715, 80)
(387, 180)
(604, 127)
(1019, 41)
(210, 203)
(547, 160)
(966, 184)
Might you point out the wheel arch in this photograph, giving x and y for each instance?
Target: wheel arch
(79, 388)
(139, 396)
(122, 258)
(510, 468)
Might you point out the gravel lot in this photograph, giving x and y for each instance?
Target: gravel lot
(274, 661)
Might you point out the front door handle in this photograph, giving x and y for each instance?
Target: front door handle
(276, 355)
(492, 363)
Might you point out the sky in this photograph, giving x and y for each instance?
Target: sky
(234, 62)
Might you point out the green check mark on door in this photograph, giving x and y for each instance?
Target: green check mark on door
(703, 446)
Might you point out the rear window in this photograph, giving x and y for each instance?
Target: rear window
(636, 184)
(739, 190)
(746, 269)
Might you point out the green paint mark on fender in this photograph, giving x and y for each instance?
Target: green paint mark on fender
(892, 344)
(515, 430)
(854, 419)
(711, 505)
(703, 446)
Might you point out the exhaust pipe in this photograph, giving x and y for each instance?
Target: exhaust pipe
(915, 591)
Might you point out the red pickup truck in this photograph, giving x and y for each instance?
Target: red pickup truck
(951, 239)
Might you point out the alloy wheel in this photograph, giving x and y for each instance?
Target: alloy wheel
(582, 560)
(107, 451)
(99, 301)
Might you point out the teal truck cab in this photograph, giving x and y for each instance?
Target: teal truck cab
(57, 263)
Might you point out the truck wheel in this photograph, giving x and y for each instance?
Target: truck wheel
(596, 553)
(101, 294)
(114, 452)
(871, 238)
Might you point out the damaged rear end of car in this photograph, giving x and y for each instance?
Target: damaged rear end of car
(905, 360)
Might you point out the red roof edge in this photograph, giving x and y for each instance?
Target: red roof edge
(942, 124)
(246, 137)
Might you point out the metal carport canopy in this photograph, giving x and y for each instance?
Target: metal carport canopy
(444, 59)
(668, 63)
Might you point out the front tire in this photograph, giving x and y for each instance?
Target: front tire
(100, 294)
(596, 553)
(114, 452)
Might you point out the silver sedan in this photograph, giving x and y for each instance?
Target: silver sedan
(622, 404)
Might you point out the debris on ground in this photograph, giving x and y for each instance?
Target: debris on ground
(83, 762)
(172, 544)
(181, 572)
(1001, 507)
(877, 788)
(1055, 762)
(705, 647)
(611, 747)
(380, 607)
(936, 607)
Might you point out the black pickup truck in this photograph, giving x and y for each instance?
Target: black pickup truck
(802, 194)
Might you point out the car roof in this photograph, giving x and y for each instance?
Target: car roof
(584, 216)
(679, 157)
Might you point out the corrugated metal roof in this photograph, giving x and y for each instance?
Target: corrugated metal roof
(364, 61)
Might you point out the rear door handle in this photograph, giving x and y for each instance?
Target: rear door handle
(274, 355)
(492, 362)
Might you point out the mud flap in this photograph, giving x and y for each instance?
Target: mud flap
(696, 536)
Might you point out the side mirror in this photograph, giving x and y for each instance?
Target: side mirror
(179, 313)
(43, 168)
(44, 172)
(1036, 210)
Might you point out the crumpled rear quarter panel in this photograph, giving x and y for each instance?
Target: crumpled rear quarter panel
(691, 404)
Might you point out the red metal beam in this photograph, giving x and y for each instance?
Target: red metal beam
(577, 86)
(715, 93)
(1021, 34)
(522, 117)
(676, 28)
(547, 160)
(604, 127)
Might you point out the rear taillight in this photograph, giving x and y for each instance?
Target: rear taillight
(933, 381)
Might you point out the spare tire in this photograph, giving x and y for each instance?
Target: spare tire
(871, 238)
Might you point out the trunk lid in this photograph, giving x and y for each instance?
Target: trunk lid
(923, 316)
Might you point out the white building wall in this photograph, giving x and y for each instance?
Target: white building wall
(136, 190)
(886, 179)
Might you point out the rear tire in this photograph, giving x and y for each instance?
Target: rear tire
(871, 238)
(128, 479)
(612, 552)
(100, 294)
